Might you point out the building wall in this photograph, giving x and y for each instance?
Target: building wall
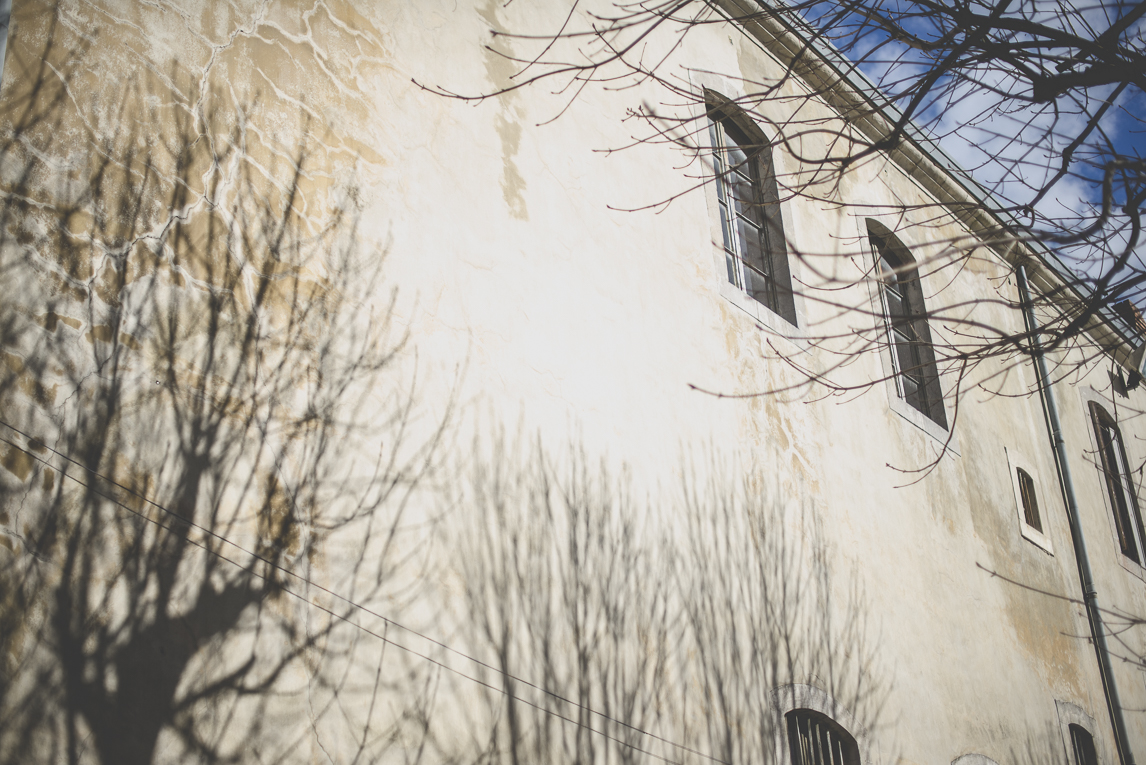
(536, 306)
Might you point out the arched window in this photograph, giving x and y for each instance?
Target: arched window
(816, 739)
(1082, 746)
(755, 250)
(912, 354)
(1124, 505)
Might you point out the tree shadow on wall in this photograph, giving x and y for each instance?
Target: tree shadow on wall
(190, 380)
(627, 630)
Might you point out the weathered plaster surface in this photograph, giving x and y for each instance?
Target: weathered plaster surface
(532, 304)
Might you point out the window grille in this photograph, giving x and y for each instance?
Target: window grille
(755, 251)
(1030, 503)
(816, 739)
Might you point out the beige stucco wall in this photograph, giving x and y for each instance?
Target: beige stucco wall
(534, 304)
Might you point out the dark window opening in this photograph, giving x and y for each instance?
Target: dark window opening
(755, 251)
(1030, 503)
(1082, 746)
(816, 739)
(1123, 503)
(916, 376)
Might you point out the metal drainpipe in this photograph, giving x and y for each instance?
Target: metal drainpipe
(1090, 596)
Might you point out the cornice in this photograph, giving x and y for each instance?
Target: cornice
(836, 80)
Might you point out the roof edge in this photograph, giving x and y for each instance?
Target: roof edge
(797, 45)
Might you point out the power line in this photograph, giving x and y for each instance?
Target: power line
(354, 605)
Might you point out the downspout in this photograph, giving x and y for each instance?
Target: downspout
(1089, 594)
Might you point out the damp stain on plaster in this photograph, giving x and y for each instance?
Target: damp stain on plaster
(51, 320)
(26, 380)
(17, 462)
(278, 525)
(1037, 610)
(101, 332)
(500, 68)
(512, 182)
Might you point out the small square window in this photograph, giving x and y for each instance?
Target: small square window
(1030, 500)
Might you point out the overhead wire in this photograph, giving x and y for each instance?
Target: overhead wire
(352, 604)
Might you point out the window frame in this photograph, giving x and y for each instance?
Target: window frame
(1016, 461)
(1119, 484)
(1029, 500)
(752, 231)
(1073, 716)
(796, 697)
(973, 758)
(709, 86)
(908, 332)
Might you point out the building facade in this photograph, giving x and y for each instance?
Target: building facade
(346, 420)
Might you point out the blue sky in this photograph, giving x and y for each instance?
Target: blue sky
(1009, 145)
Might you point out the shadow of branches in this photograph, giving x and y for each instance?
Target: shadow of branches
(194, 365)
(627, 630)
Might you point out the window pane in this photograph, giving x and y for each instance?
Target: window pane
(911, 391)
(887, 271)
(745, 200)
(724, 229)
(721, 180)
(733, 268)
(895, 307)
(751, 250)
(759, 287)
(905, 353)
(737, 159)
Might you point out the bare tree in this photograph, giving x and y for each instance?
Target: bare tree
(1040, 101)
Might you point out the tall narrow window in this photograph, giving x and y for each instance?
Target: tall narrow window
(1114, 468)
(912, 354)
(755, 251)
(815, 739)
(1030, 503)
(1082, 746)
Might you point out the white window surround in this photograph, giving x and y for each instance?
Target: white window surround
(799, 696)
(973, 759)
(772, 322)
(1087, 395)
(1072, 714)
(1016, 459)
(896, 402)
